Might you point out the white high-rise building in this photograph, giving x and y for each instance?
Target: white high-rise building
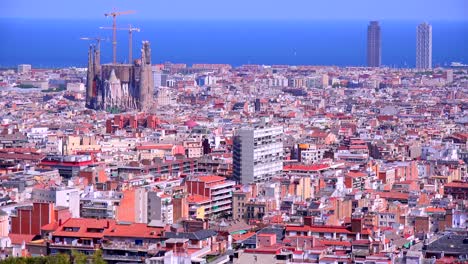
(24, 68)
(424, 46)
(257, 153)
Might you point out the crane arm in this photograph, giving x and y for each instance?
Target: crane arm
(132, 29)
(114, 14)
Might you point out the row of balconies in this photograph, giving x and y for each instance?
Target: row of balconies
(95, 206)
(222, 202)
(73, 245)
(123, 257)
(218, 198)
(226, 190)
(219, 209)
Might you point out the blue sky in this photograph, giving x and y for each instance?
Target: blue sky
(428, 10)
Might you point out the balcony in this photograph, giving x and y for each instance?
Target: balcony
(95, 206)
(222, 191)
(305, 260)
(108, 257)
(223, 185)
(63, 245)
(106, 215)
(218, 198)
(115, 245)
(219, 209)
(223, 202)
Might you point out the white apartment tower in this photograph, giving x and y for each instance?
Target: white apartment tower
(257, 153)
(424, 46)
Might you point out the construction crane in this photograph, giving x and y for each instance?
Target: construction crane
(130, 38)
(114, 15)
(97, 39)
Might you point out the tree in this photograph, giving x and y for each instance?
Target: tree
(79, 257)
(97, 257)
(58, 259)
(55, 259)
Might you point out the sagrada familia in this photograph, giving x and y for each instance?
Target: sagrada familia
(121, 87)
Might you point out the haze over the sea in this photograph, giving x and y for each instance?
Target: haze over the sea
(56, 43)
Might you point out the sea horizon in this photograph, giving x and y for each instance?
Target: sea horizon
(55, 43)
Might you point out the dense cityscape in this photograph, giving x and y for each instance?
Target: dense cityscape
(169, 163)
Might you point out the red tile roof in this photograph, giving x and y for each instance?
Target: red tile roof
(137, 230)
(18, 239)
(300, 167)
(210, 178)
(50, 227)
(110, 228)
(322, 229)
(435, 210)
(196, 198)
(83, 225)
(393, 195)
(457, 184)
(240, 237)
(353, 174)
(335, 243)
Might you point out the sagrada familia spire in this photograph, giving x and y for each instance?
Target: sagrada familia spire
(121, 87)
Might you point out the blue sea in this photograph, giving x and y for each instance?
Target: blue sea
(56, 43)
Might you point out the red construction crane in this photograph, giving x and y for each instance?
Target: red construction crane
(130, 38)
(114, 15)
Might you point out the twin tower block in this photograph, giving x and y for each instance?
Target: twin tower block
(119, 87)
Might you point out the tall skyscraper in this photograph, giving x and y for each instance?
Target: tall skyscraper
(374, 52)
(424, 46)
(257, 153)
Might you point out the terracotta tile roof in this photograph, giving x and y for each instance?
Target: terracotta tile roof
(300, 167)
(325, 229)
(196, 198)
(353, 174)
(457, 184)
(335, 243)
(17, 239)
(83, 225)
(240, 237)
(50, 227)
(138, 230)
(109, 229)
(210, 178)
(435, 210)
(393, 195)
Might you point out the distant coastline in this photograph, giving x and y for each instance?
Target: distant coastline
(52, 44)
